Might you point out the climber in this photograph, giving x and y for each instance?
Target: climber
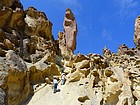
(63, 79)
(55, 84)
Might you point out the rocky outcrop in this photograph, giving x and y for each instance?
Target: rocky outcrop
(67, 39)
(37, 24)
(25, 42)
(123, 49)
(106, 52)
(14, 78)
(137, 32)
(98, 82)
(30, 58)
(70, 29)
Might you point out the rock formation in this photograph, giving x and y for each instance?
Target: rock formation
(70, 29)
(67, 39)
(30, 58)
(137, 32)
(28, 51)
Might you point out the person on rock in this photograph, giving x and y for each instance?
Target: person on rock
(55, 82)
(63, 79)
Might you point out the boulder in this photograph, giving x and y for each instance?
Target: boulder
(40, 70)
(82, 65)
(14, 78)
(74, 77)
(37, 24)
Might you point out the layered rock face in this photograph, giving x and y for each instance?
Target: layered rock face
(97, 80)
(30, 57)
(137, 32)
(70, 29)
(67, 39)
(28, 51)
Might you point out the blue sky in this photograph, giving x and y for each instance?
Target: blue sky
(100, 22)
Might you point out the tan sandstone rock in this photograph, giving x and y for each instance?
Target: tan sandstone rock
(70, 29)
(14, 79)
(67, 39)
(37, 24)
(137, 32)
(5, 14)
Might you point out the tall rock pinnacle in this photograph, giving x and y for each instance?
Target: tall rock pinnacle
(137, 32)
(70, 30)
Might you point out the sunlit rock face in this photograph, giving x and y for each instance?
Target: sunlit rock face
(37, 24)
(26, 42)
(137, 32)
(70, 29)
(67, 39)
(30, 57)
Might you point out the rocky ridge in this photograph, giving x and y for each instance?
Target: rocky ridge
(30, 57)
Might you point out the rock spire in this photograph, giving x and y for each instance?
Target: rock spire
(70, 29)
(137, 32)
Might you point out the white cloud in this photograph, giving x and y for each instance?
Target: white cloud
(65, 2)
(106, 35)
(125, 4)
(59, 4)
(126, 8)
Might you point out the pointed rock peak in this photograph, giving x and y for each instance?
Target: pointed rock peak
(70, 30)
(68, 9)
(69, 14)
(137, 32)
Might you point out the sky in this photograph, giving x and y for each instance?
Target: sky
(100, 23)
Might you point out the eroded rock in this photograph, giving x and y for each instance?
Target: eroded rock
(70, 29)
(137, 32)
(37, 24)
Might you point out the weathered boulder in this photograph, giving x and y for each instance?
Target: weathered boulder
(39, 30)
(37, 24)
(74, 77)
(45, 68)
(82, 65)
(97, 61)
(14, 78)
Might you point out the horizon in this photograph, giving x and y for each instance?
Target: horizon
(100, 23)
